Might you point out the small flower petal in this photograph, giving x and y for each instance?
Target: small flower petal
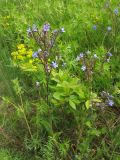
(46, 27)
(109, 28)
(116, 11)
(54, 65)
(34, 28)
(110, 54)
(110, 102)
(35, 55)
(83, 68)
(94, 27)
(62, 30)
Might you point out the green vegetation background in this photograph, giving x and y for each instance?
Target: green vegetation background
(78, 18)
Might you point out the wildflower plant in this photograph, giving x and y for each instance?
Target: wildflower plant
(22, 58)
(90, 63)
(64, 102)
(43, 59)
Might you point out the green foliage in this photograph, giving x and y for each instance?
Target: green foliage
(67, 112)
(5, 155)
(67, 90)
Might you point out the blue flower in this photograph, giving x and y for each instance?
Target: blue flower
(34, 28)
(62, 30)
(54, 65)
(110, 54)
(94, 27)
(110, 102)
(83, 68)
(81, 55)
(35, 55)
(109, 28)
(46, 27)
(29, 30)
(116, 11)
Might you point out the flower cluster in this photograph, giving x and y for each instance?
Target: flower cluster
(87, 61)
(23, 58)
(105, 100)
(109, 28)
(108, 99)
(92, 58)
(90, 62)
(22, 53)
(29, 60)
(45, 39)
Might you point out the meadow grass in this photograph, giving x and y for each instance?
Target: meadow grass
(97, 132)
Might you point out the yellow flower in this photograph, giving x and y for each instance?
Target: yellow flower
(21, 46)
(14, 53)
(34, 68)
(29, 53)
(19, 57)
(22, 51)
(30, 61)
(29, 56)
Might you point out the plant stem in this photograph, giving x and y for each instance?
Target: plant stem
(28, 126)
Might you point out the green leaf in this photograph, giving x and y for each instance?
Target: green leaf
(95, 132)
(88, 124)
(72, 104)
(96, 100)
(93, 95)
(16, 86)
(87, 104)
(57, 95)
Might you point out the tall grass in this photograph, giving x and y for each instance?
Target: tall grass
(78, 18)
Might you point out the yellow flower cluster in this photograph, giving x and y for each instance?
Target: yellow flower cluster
(22, 53)
(23, 57)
